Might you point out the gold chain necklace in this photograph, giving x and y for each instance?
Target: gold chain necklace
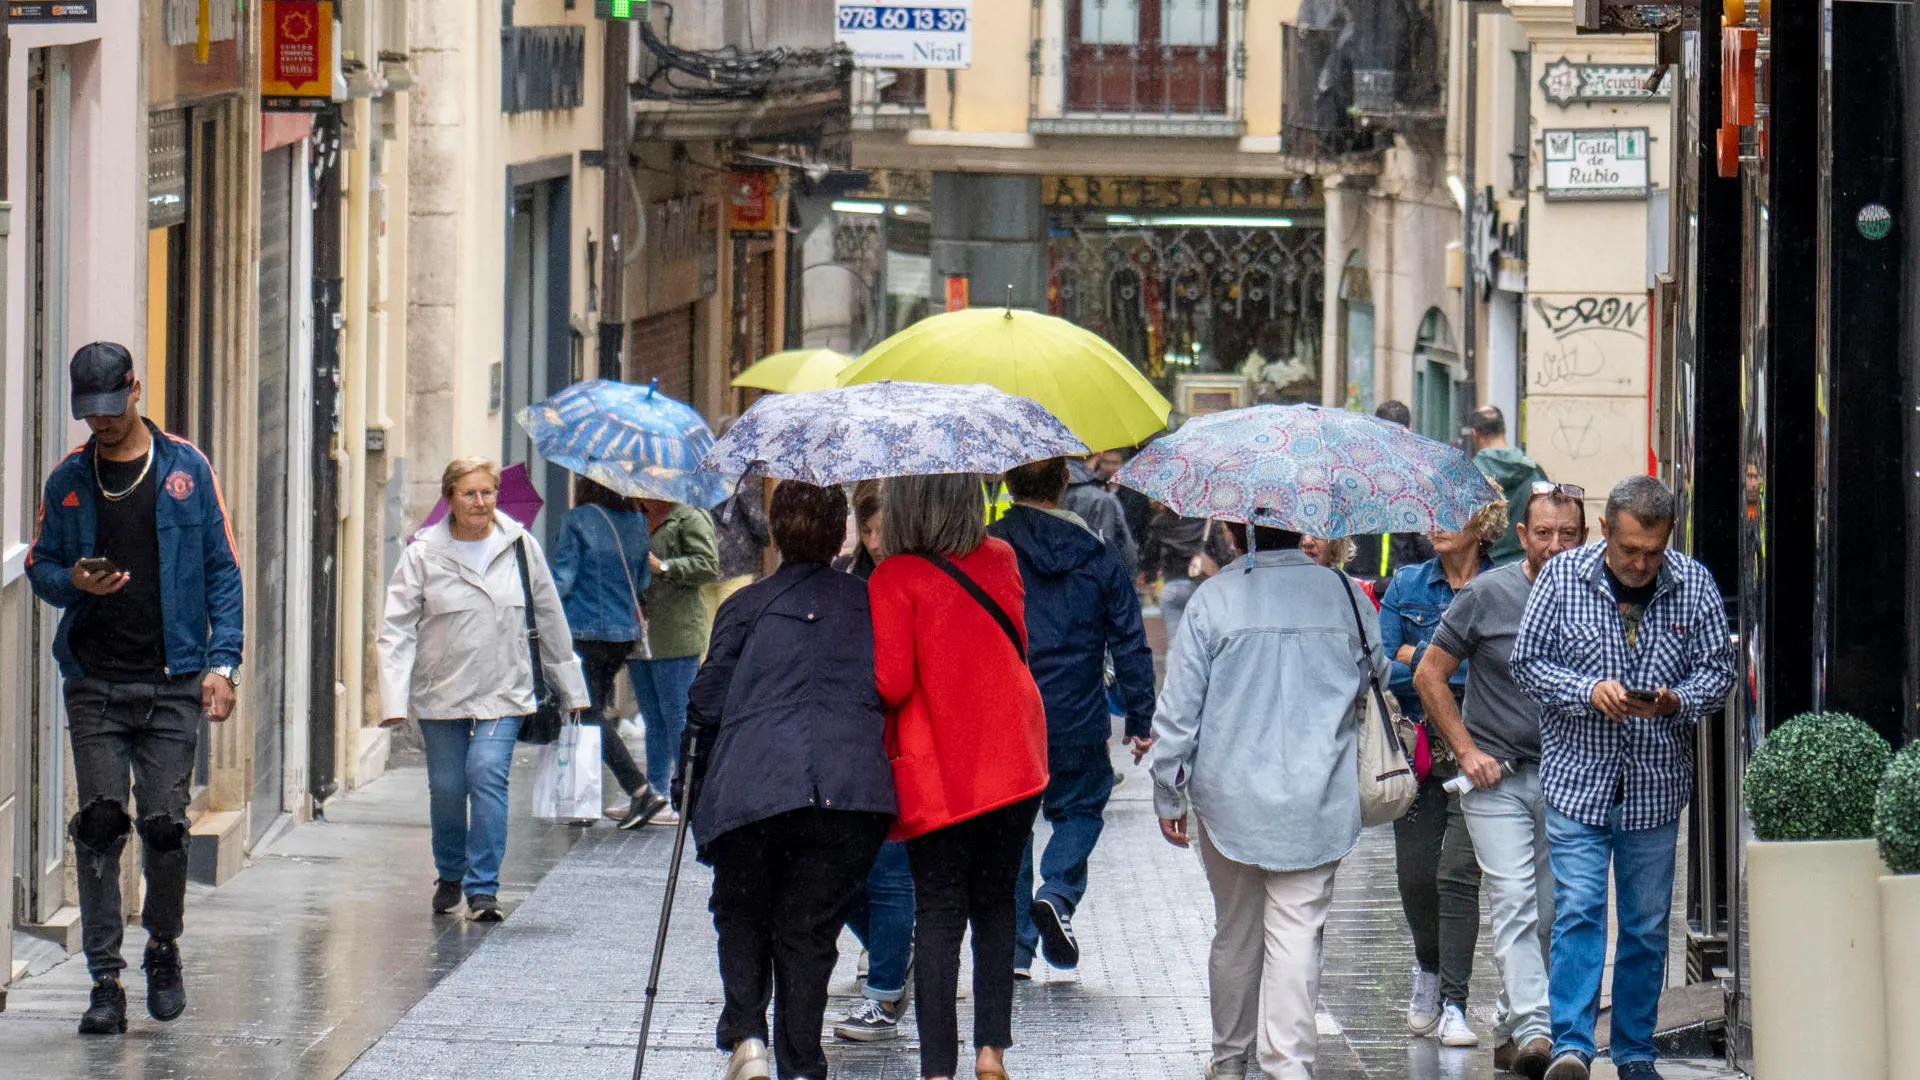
(116, 496)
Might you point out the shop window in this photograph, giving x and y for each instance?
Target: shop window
(1356, 335)
(1164, 57)
(1109, 22)
(1437, 378)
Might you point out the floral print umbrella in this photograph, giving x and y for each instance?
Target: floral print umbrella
(1312, 470)
(883, 429)
(632, 439)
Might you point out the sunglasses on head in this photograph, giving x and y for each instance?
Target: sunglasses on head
(1548, 487)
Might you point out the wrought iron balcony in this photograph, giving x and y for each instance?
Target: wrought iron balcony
(1142, 67)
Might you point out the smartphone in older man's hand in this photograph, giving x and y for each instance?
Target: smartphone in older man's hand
(1645, 696)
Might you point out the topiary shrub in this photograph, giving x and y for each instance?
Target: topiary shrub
(1816, 778)
(1896, 812)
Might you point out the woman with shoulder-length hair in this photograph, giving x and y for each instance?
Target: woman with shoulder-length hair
(600, 567)
(455, 655)
(968, 737)
(791, 793)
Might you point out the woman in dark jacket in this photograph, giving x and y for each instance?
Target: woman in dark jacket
(600, 567)
(793, 793)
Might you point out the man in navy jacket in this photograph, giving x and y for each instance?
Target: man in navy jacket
(1081, 607)
(134, 546)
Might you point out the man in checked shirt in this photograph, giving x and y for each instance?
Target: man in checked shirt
(1624, 645)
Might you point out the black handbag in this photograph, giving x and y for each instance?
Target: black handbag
(543, 726)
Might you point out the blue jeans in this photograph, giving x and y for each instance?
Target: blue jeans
(1075, 804)
(467, 766)
(1643, 894)
(661, 687)
(882, 918)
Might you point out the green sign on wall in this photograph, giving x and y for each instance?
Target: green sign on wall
(620, 9)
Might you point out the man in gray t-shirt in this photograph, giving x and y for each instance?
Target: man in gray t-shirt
(1498, 745)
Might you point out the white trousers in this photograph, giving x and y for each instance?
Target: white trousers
(1264, 971)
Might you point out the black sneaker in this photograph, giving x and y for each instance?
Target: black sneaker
(870, 1021)
(166, 989)
(1056, 935)
(446, 896)
(484, 908)
(1638, 1070)
(1570, 1065)
(646, 805)
(107, 1011)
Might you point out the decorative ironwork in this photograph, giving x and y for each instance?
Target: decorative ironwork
(1316, 115)
(1180, 301)
(542, 68)
(1145, 67)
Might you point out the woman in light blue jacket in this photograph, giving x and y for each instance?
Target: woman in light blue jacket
(1268, 663)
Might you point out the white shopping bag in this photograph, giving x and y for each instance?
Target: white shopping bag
(567, 785)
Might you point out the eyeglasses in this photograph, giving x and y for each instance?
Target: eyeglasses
(1548, 487)
(476, 496)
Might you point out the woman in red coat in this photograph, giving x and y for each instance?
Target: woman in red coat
(967, 736)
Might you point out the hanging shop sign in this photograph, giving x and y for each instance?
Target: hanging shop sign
(296, 55)
(957, 292)
(1180, 193)
(1596, 163)
(754, 210)
(906, 33)
(74, 11)
(1565, 82)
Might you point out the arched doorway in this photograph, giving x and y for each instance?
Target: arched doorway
(1356, 336)
(1437, 379)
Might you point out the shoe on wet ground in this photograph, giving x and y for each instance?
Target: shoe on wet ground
(645, 805)
(484, 908)
(1454, 1030)
(1423, 1008)
(1057, 943)
(1531, 1059)
(1226, 1070)
(1568, 1066)
(668, 818)
(870, 1021)
(750, 1061)
(166, 985)
(1503, 1056)
(106, 1010)
(1023, 972)
(446, 896)
(1638, 1070)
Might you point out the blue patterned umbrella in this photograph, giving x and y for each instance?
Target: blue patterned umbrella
(632, 439)
(890, 429)
(1312, 470)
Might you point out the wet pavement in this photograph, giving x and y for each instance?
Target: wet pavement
(296, 965)
(557, 990)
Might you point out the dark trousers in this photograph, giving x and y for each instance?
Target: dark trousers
(1080, 780)
(964, 874)
(151, 732)
(603, 661)
(781, 890)
(1439, 885)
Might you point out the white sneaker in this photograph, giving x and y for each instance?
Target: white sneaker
(750, 1061)
(1423, 1009)
(668, 818)
(1453, 1028)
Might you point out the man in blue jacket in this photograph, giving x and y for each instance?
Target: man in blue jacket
(134, 546)
(1081, 607)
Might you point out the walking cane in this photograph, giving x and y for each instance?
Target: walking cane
(666, 909)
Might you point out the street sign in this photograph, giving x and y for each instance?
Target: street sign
(906, 33)
(42, 11)
(620, 9)
(296, 55)
(1596, 163)
(1564, 82)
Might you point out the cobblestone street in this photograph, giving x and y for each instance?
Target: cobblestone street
(557, 990)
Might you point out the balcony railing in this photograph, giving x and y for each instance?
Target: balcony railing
(889, 99)
(1141, 67)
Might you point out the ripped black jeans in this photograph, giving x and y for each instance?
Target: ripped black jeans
(150, 731)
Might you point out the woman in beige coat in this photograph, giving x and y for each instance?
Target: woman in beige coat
(454, 655)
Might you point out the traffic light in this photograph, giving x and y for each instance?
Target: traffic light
(620, 9)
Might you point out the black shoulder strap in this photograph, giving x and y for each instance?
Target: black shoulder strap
(980, 597)
(533, 627)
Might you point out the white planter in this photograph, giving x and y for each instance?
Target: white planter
(1900, 961)
(1813, 916)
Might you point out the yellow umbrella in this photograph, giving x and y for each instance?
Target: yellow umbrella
(1075, 374)
(795, 370)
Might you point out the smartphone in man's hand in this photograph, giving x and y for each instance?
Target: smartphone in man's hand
(1646, 696)
(96, 565)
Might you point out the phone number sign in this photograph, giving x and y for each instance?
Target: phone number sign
(936, 34)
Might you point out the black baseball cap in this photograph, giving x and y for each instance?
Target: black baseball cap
(102, 376)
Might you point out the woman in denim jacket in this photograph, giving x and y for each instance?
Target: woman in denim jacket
(1439, 874)
(600, 567)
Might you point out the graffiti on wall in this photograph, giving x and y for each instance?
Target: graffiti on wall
(1587, 345)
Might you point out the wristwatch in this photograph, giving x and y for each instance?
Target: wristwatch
(229, 673)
